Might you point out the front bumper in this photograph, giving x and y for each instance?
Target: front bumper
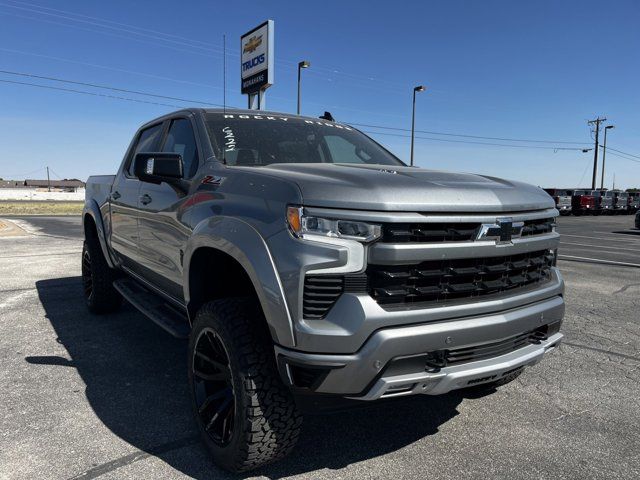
(364, 374)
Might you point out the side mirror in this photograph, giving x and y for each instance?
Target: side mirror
(158, 167)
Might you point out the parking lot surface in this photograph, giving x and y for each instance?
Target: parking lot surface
(84, 396)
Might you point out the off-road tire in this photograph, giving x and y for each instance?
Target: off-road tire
(266, 420)
(97, 279)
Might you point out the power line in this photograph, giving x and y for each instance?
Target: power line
(39, 169)
(475, 143)
(101, 25)
(468, 136)
(621, 156)
(196, 101)
(115, 89)
(623, 153)
(212, 50)
(106, 67)
(137, 92)
(90, 93)
(108, 21)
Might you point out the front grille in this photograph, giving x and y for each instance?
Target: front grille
(445, 280)
(451, 232)
(434, 361)
(538, 227)
(457, 356)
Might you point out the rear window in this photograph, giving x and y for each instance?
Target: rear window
(258, 140)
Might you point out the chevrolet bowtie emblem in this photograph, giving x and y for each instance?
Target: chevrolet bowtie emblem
(503, 231)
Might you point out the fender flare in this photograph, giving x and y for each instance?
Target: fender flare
(91, 208)
(244, 244)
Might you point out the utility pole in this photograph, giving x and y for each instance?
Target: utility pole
(604, 153)
(597, 123)
(48, 181)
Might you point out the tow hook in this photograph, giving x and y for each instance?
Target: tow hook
(537, 337)
(435, 361)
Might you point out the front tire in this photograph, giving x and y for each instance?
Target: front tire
(97, 279)
(246, 416)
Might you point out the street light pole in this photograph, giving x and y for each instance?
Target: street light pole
(301, 65)
(604, 153)
(419, 88)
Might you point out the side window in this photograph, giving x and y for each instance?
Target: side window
(180, 139)
(343, 151)
(147, 142)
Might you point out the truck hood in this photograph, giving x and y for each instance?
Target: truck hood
(396, 188)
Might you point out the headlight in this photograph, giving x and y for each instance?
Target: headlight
(303, 225)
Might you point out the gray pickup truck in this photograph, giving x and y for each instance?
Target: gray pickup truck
(302, 260)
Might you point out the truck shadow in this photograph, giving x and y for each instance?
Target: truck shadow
(136, 383)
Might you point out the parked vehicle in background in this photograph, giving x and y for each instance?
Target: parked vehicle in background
(303, 259)
(621, 202)
(638, 219)
(582, 202)
(597, 197)
(634, 202)
(562, 197)
(607, 201)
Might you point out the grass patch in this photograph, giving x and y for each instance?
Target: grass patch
(40, 208)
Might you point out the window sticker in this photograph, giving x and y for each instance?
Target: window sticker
(229, 139)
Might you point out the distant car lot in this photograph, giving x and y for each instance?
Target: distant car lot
(87, 397)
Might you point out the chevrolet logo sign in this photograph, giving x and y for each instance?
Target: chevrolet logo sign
(252, 44)
(503, 231)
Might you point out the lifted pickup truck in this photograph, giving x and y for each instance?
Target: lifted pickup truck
(301, 258)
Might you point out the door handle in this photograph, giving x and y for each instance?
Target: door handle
(145, 199)
(115, 195)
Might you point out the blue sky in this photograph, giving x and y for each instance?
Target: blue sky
(506, 69)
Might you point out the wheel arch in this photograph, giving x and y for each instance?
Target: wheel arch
(92, 224)
(226, 255)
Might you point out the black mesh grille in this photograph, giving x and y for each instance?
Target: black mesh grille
(322, 291)
(451, 232)
(440, 281)
(489, 350)
(538, 227)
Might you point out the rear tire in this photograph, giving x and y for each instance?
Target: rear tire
(246, 416)
(97, 279)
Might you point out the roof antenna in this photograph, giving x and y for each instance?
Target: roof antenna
(224, 90)
(327, 116)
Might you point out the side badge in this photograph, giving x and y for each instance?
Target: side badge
(212, 180)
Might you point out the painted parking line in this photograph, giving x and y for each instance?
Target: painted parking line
(616, 237)
(600, 251)
(636, 250)
(597, 260)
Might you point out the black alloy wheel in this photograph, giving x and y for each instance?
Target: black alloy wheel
(213, 387)
(87, 280)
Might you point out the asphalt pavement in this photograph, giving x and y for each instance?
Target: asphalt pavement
(600, 239)
(85, 396)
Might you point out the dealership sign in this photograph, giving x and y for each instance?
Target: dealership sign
(256, 58)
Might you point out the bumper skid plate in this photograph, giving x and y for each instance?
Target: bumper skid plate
(461, 376)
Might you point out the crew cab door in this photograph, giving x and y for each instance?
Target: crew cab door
(124, 198)
(162, 220)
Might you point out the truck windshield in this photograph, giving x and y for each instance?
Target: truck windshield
(256, 140)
